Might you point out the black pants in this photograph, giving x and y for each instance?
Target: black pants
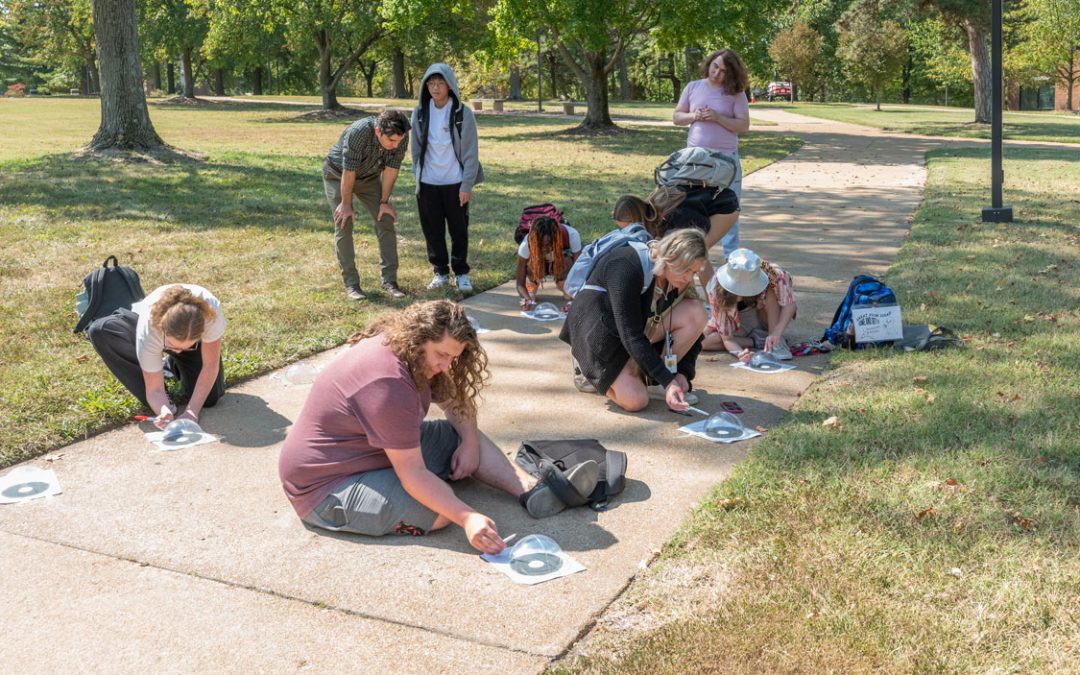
(113, 337)
(440, 209)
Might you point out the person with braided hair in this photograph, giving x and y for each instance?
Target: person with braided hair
(550, 250)
(182, 323)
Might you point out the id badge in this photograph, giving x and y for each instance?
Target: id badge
(671, 363)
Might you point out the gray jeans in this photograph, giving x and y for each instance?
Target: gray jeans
(368, 192)
(376, 503)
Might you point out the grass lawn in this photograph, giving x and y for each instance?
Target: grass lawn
(251, 224)
(933, 121)
(936, 526)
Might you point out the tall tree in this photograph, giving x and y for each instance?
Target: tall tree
(589, 36)
(973, 16)
(1051, 40)
(873, 49)
(125, 120)
(178, 28)
(341, 31)
(795, 51)
(59, 33)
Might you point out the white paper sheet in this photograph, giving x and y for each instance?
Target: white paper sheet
(156, 437)
(698, 429)
(501, 562)
(28, 482)
(784, 367)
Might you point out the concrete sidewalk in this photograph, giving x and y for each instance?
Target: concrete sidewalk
(194, 560)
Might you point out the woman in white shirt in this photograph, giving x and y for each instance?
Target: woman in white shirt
(178, 326)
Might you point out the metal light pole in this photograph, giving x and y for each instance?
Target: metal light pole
(996, 212)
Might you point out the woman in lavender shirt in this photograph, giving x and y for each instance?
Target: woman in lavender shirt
(716, 109)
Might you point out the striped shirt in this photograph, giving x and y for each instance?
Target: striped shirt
(359, 150)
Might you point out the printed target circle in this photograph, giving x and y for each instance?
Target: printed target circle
(724, 432)
(766, 366)
(23, 490)
(182, 439)
(536, 564)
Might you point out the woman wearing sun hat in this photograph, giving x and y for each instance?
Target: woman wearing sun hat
(748, 287)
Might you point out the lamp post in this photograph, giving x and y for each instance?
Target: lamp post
(996, 212)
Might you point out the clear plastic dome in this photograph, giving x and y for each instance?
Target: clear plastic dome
(181, 431)
(723, 425)
(301, 372)
(536, 555)
(764, 360)
(546, 310)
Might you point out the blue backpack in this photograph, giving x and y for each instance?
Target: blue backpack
(632, 235)
(863, 290)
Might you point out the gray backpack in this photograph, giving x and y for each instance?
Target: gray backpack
(696, 167)
(632, 235)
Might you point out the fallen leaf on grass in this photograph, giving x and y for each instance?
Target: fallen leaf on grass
(920, 390)
(730, 503)
(928, 512)
(82, 358)
(956, 572)
(833, 421)
(951, 482)
(958, 525)
(760, 429)
(1024, 523)
(931, 397)
(933, 295)
(920, 379)
(1011, 345)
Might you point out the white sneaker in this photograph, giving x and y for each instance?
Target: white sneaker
(463, 283)
(656, 393)
(438, 281)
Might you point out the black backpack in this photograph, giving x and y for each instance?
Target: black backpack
(105, 290)
(566, 454)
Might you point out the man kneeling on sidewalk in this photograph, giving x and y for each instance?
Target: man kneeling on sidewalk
(361, 458)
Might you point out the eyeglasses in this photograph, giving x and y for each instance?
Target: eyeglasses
(193, 347)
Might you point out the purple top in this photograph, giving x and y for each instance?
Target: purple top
(364, 402)
(710, 134)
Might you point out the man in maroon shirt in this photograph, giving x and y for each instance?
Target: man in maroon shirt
(361, 458)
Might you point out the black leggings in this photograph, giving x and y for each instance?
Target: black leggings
(113, 338)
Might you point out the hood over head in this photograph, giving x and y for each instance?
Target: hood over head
(447, 74)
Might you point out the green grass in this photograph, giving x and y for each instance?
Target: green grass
(931, 121)
(937, 528)
(251, 224)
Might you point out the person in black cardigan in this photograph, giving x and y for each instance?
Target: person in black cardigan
(620, 334)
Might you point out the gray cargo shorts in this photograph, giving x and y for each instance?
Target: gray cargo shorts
(376, 503)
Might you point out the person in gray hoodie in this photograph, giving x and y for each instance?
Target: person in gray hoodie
(446, 164)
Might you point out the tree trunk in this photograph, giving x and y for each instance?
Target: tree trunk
(93, 78)
(551, 68)
(877, 93)
(170, 75)
(189, 79)
(515, 84)
(398, 61)
(219, 81)
(794, 91)
(257, 81)
(155, 76)
(597, 117)
(822, 94)
(624, 79)
(980, 70)
(326, 83)
(125, 120)
(905, 90)
(369, 76)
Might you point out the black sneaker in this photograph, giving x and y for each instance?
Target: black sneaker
(391, 288)
(557, 490)
(354, 293)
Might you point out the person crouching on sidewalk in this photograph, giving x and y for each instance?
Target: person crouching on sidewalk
(744, 293)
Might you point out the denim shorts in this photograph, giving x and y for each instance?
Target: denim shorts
(376, 503)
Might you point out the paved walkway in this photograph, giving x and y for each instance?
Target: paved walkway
(194, 560)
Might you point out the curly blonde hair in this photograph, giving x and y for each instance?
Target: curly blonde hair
(407, 332)
(180, 314)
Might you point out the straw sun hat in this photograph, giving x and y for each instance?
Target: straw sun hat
(742, 275)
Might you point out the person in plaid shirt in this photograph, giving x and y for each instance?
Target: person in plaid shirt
(365, 162)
